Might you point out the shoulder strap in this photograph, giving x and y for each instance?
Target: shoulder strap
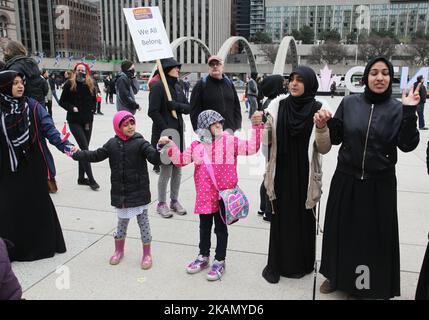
(209, 168)
(36, 118)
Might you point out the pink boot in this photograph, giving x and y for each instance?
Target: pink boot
(119, 252)
(147, 258)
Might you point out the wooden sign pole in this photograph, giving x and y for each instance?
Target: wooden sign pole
(164, 82)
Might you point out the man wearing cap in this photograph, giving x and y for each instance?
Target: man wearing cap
(127, 87)
(216, 92)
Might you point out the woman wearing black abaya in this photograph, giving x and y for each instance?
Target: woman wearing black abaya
(422, 292)
(27, 215)
(289, 127)
(360, 253)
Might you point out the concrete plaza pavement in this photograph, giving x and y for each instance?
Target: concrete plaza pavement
(88, 223)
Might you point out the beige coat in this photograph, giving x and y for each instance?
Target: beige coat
(323, 144)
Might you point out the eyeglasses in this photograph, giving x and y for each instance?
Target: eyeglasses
(214, 64)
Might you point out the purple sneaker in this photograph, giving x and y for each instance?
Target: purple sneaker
(176, 207)
(199, 264)
(163, 210)
(217, 270)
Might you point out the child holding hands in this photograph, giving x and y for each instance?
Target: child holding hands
(219, 149)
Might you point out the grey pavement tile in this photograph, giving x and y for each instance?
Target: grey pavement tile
(31, 273)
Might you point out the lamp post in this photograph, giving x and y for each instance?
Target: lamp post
(357, 47)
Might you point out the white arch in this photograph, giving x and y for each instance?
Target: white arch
(179, 41)
(226, 48)
(286, 44)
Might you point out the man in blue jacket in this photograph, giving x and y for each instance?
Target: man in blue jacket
(126, 87)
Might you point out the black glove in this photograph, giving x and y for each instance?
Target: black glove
(131, 73)
(172, 105)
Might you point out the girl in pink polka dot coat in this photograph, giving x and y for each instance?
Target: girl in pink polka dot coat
(222, 149)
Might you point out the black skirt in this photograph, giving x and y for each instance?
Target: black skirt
(422, 292)
(27, 215)
(293, 228)
(360, 253)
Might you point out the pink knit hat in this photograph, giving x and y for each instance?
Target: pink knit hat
(120, 119)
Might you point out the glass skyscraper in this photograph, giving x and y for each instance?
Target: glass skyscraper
(401, 17)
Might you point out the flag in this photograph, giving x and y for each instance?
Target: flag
(39, 58)
(64, 133)
(57, 59)
(70, 61)
(93, 64)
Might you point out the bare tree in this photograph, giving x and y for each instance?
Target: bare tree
(419, 52)
(270, 51)
(376, 46)
(330, 53)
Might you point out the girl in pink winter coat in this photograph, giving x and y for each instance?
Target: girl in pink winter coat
(221, 149)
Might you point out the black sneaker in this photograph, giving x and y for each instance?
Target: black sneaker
(100, 113)
(424, 128)
(261, 213)
(267, 218)
(83, 182)
(94, 186)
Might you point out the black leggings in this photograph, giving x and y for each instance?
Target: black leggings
(221, 231)
(109, 96)
(82, 136)
(49, 107)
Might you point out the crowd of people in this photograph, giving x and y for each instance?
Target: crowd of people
(361, 220)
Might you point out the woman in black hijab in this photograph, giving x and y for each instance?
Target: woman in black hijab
(27, 215)
(290, 124)
(360, 253)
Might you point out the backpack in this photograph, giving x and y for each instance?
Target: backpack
(204, 81)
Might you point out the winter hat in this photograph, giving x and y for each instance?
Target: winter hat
(6, 81)
(205, 120)
(88, 69)
(126, 65)
(169, 63)
(120, 119)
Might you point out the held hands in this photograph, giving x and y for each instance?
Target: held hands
(70, 150)
(321, 118)
(164, 141)
(75, 109)
(413, 96)
(256, 118)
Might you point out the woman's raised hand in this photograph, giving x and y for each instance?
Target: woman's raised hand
(413, 96)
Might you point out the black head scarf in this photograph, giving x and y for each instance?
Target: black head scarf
(14, 118)
(272, 86)
(370, 95)
(296, 113)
